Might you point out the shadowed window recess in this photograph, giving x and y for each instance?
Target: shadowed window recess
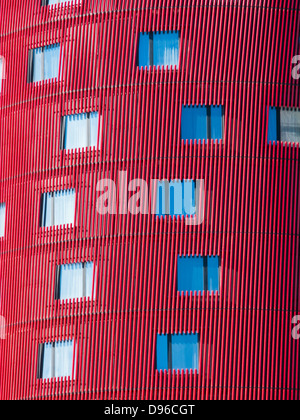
(202, 123)
(159, 49)
(177, 351)
(2, 219)
(56, 360)
(80, 131)
(283, 125)
(43, 63)
(197, 273)
(176, 198)
(58, 208)
(74, 281)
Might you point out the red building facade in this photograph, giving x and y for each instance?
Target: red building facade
(238, 55)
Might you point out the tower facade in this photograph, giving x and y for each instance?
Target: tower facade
(149, 199)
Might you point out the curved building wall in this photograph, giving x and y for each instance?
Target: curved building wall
(235, 55)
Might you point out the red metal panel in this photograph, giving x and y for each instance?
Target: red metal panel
(230, 55)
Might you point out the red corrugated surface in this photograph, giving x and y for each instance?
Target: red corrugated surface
(237, 54)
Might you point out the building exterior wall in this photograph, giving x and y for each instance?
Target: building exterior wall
(235, 54)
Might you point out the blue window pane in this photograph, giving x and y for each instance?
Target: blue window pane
(213, 273)
(48, 366)
(76, 134)
(144, 50)
(190, 274)
(185, 351)
(89, 272)
(71, 281)
(272, 126)
(189, 198)
(81, 131)
(51, 61)
(194, 123)
(64, 208)
(46, 63)
(176, 198)
(2, 219)
(47, 206)
(166, 48)
(37, 65)
(94, 120)
(63, 359)
(58, 208)
(162, 352)
(216, 123)
(75, 281)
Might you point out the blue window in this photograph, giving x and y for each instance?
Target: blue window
(56, 360)
(43, 63)
(176, 198)
(283, 125)
(273, 127)
(198, 273)
(202, 123)
(159, 49)
(177, 351)
(74, 281)
(80, 131)
(2, 219)
(58, 208)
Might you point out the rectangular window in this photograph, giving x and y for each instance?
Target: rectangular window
(56, 360)
(176, 198)
(2, 220)
(197, 273)
(283, 125)
(202, 123)
(43, 63)
(58, 208)
(177, 351)
(80, 131)
(74, 281)
(159, 49)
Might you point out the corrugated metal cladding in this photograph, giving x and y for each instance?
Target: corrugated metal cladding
(237, 54)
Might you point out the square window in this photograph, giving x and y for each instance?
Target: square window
(177, 351)
(198, 273)
(290, 125)
(283, 125)
(56, 360)
(159, 49)
(74, 281)
(58, 208)
(202, 123)
(43, 63)
(185, 351)
(190, 274)
(80, 131)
